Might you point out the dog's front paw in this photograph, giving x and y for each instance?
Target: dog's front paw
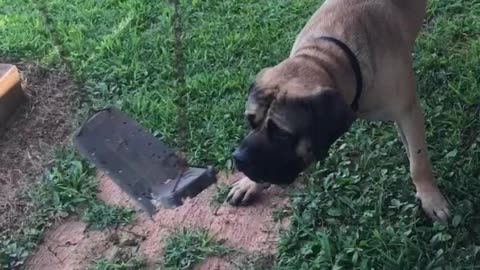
(243, 191)
(434, 203)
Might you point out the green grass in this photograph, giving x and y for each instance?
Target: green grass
(186, 248)
(358, 209)
(23, 33)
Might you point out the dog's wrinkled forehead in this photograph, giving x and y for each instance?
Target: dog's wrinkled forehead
(290, 113)
(271, 103)
(274, 88)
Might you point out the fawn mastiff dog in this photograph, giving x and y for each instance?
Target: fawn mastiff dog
(351, 60)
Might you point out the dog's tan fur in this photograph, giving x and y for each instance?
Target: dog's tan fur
(382, 34)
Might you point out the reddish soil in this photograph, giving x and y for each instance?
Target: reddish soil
(69, 246)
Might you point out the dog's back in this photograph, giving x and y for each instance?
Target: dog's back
(387, 21)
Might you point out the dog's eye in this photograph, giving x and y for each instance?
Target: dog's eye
(276, 132)
(251, 88)
(283, 135)
(251, 121)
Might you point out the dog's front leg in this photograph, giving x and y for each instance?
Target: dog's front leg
(411, 125)
(244, 190)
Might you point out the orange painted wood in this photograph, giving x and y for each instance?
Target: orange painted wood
(11, 93)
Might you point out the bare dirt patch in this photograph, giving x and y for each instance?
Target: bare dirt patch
(27, 140)
(250, 229)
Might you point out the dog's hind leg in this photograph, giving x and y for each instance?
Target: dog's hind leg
(433, 202)
(404, 141)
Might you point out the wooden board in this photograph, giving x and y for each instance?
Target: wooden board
(11, 93)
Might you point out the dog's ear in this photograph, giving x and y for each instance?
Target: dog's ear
(332, 117)
(258, 100)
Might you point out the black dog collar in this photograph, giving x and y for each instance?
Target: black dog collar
(355, 66)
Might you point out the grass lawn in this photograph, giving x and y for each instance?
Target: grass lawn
(358, 209)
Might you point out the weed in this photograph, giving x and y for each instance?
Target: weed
(69, 184)
(185, 248)
(280, 213)
(256, 262)
(119, 264)
(220, 194)
(12, 254)
(67, 187)
(101, 216)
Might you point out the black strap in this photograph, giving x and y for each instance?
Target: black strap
(355, 66)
